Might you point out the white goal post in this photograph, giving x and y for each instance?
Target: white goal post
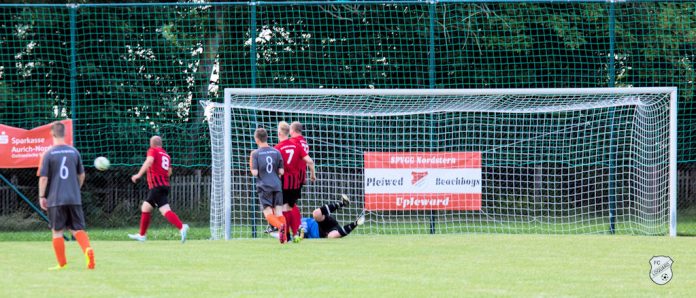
(550, 161)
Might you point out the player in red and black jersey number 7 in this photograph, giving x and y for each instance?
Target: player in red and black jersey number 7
(158, 166)
(298, 139)
(296, 161)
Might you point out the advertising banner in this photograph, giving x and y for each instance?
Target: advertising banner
(21, 148)
(422, 181)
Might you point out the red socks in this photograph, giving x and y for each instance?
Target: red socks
(59, 249)
(82, 239)
(170, 216)
(288, 218)
(297, 219)
(144, 222)
(293, 218)
(173, 219)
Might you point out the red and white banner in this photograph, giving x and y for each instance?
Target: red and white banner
(422, 181)
(21, 148)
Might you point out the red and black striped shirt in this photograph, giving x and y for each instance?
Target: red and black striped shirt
(158, 173)
(301, 142)
(294, 166)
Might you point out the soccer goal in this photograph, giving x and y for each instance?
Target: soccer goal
(546, 161)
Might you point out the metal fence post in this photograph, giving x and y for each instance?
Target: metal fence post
(252, 35)
(253, 60)
(72, 8)
(612, 143)
(612, 41)
(432, 11)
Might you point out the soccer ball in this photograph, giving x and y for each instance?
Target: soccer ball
(102, 163)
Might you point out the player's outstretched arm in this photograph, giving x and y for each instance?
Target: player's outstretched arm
(146, 165)
(312, 172)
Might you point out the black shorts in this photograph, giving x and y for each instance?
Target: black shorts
(270, 198)
(327, 225)
(66, 216)
(291, 196)
(158, 196)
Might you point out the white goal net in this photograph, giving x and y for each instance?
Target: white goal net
(549, 161)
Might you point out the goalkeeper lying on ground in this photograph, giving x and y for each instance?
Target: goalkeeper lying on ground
(323, 225)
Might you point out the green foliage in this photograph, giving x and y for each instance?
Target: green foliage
(32, 60)
(141, 70)
(135, 70)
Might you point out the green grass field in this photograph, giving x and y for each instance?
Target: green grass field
(370, 266)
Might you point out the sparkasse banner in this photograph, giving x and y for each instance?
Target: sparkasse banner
(21, 148)
(422, 181)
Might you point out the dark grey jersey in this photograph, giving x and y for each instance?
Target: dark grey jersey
(62, 164)
(267, 161)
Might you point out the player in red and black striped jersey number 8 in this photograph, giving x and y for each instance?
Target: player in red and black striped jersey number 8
(158, 166)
